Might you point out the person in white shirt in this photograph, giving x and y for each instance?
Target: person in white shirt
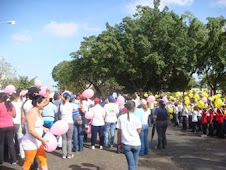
(176, 111)
(111, 110)
(18, 135)
(66, 110)
(144, 132)
(195, 119)
(97, 124)
(185, 117)
(129, 127)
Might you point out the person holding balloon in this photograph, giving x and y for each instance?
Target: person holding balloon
(33, 142)
(66, 110)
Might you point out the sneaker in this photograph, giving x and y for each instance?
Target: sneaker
(202, 135)
(64, 157)
(14, 163)
(101, 147)
(92, 147)
(69, 156)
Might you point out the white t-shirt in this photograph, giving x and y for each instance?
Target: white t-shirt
(128, 129)
(194, 116)
(112, 110)
(27, 106)
(66, 111)
(98, 117)
(145, 117)
(199, 113)
(185, 112)
(175, 110)
(17, 119)
(180, 107)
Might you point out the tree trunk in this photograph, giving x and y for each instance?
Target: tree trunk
(98, 91)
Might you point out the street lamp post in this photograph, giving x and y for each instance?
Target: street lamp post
(8, 22)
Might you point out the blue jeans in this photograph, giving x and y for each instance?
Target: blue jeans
(144, 140)
(109, 127)
(176, 120)
(132, 154)
(77, 138)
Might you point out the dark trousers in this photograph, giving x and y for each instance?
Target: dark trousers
(204, 128)
(194, 126)
(94, 130)
(221, 130)
(211, 129)
(161, 127)
(7, 133)
(184, 122)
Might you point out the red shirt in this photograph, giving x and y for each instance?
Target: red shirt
(211, 116)
(217, 117)
(204, 118)
(6, 117)
(221, 118)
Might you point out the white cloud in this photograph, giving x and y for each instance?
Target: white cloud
(65, 29)
(220, 2)
(89, 28)
(21, 38)
(131, 7)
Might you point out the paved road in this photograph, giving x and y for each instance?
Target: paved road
(185, 150)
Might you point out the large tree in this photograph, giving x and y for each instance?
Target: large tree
(212, 55)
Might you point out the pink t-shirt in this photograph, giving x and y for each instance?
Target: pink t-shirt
(6, 117)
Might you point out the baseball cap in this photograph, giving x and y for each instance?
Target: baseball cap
(96, 100)
(111, 99)
(33, 89)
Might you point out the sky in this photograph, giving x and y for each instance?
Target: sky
(47, 31)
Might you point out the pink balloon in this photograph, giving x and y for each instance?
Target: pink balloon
(165, 99)
(88, 93)
(59, 128)
(88, 129)
(42, 91)
(52, 142)
(120, 100)
(38, 83)
(151, 99)
(204, 99)
(9, 89)
(89, 115)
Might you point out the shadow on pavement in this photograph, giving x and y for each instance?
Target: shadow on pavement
(194, 152)
(85, 166)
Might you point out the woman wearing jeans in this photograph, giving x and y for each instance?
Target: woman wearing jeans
(129, 127)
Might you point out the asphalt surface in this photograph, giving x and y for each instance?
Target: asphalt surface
(185, 150)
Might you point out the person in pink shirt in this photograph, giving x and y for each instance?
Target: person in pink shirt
(7, 113)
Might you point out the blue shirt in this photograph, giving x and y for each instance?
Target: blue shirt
(49, 112)
(139, 112)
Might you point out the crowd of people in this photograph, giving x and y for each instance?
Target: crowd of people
(25, 118)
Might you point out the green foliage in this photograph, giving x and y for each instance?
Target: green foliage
(152, 51)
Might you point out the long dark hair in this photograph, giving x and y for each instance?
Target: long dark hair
(5, 98)
(37, 99)
(130, 106)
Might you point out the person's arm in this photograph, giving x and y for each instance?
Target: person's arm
(14, 112)
(47, 97)
(139, 130)
(31, 119)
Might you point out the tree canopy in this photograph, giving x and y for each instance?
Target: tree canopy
(152, 51)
